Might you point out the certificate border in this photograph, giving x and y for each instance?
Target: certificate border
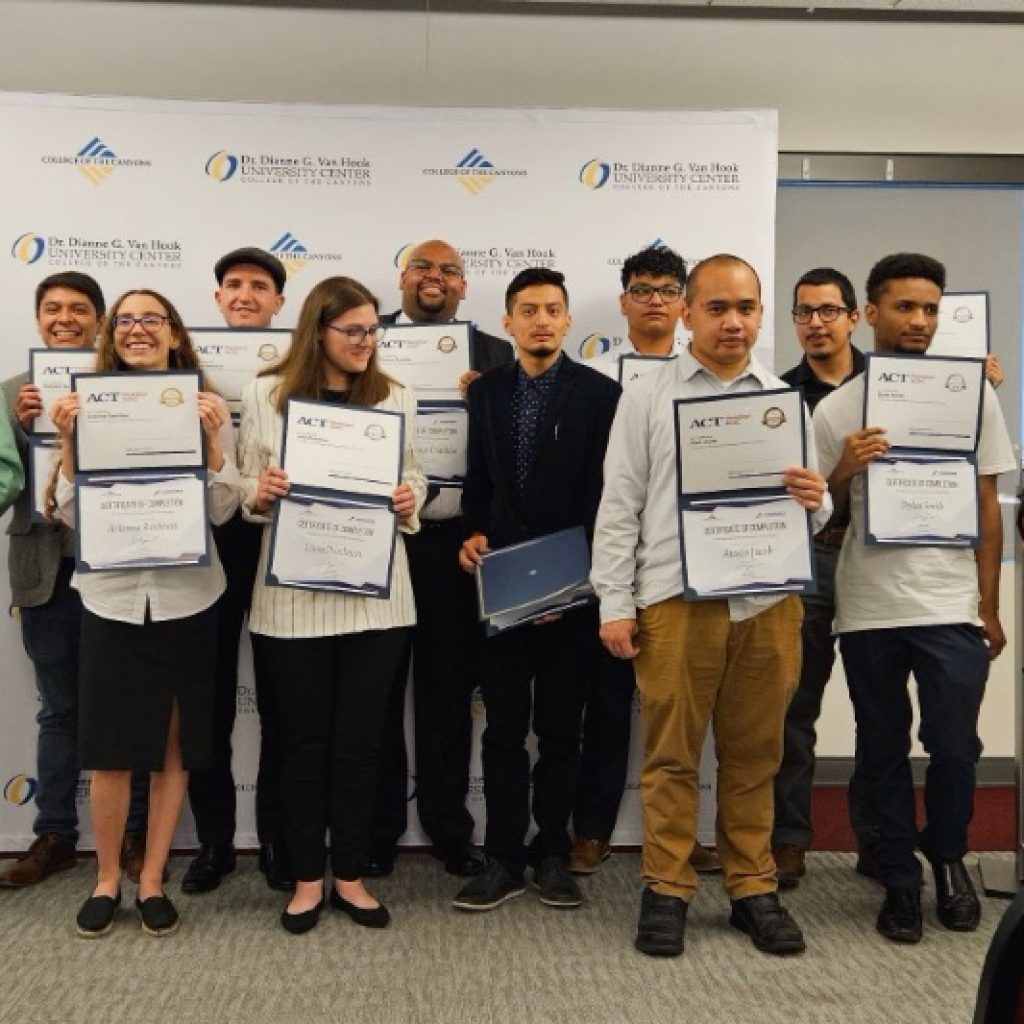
(360, 409)
(35, 442)
(33, 354)
(146, 476)
(739, 491)
(471, 343)
(809, 586)
(437, 404)
(309, 497)
(926, 540)
(870, 357)
(636, 357)
(148, 375)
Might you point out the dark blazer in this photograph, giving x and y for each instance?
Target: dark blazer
(33, 557)
(488, 351)
(565, 483)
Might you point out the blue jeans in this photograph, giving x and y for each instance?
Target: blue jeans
(50, 633)
(950, 664)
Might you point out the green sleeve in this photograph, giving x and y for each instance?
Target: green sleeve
(12, 474)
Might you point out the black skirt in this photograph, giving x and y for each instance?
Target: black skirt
(130, 678)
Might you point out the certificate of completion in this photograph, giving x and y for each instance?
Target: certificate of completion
(50, 369)
(745, 547)
(141, 522)
(930, 402)
(634, 367)
(429, 358)
(930, 501)
(44, 454)
(332, 544)
(963, 325)
(231, 357)
(137, 421)
(441, 438)
(738, 442)
(342, 447)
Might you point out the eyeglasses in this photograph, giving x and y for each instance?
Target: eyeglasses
(645, 292)
(826, 314)
(151, 323)
(425, 266)
(355, 335)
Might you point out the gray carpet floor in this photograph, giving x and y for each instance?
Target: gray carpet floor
(231, 963)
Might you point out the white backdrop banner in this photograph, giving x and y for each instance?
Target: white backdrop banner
(143, 193)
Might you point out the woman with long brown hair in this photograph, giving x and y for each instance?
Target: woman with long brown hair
(331, 657)
(147, 648)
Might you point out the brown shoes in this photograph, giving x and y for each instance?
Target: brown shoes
(133, 853)
(789, 865)
(587, 855)
(704, 860)
(49, 853)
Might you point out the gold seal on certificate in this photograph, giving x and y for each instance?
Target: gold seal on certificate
(231, 356)
(429, 358)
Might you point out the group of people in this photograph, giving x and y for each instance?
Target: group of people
(137, 669)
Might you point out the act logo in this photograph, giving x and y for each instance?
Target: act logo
(28, 248)
(20, 789)
(222, 165)
(595, 173)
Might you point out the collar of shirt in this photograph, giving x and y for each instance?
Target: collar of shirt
(803, 374)
(542, 381)
(688, 367)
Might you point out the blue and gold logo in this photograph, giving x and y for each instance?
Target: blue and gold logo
(291, 252)
(595, 174)
(222, 165)
(20, 789)
(402, 256)
(477, 172)
(95, 161)
(594, 345)
(28, 248)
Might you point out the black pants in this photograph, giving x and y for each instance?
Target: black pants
(211, 791)
(950, 664)
(445, 671)
(539, 675)
(330, 695)
(604, 760)
(795, 778)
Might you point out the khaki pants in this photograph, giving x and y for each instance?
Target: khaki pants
(694, 666)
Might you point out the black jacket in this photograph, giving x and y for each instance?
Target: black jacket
(564, 487)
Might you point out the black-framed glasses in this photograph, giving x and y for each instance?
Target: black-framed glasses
(643, 293)
(151, 322)
(425, 266)
(354, 334)
(828, 313)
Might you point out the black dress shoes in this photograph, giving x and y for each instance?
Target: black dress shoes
(659, 932)
(304, 921)
(956, 902)
(899, 920)
(376, 917)
(464, 861)
(768, 923)
(208, 868)
(274, 865)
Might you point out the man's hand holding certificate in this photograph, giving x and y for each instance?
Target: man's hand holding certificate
(920, 481)
(336, 498)
(744, 494)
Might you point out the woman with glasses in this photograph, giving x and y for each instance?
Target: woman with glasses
(331, 656)
(147, 647)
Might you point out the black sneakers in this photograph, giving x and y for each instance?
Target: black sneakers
(492, 887)
(659, 932)
(557, 886)
(768, 923)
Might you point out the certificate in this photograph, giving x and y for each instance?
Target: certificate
(634, 367)
(931, 501)
(43, 456)
(429, 358)
(738, 442)
(928, 402)
(441, 440)
(348, 448)
(231, 356)
(963, 325)
(748, 546)
(543, 576)
(138, 421)
(146, 521)
(328, 543)
(50, 369)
